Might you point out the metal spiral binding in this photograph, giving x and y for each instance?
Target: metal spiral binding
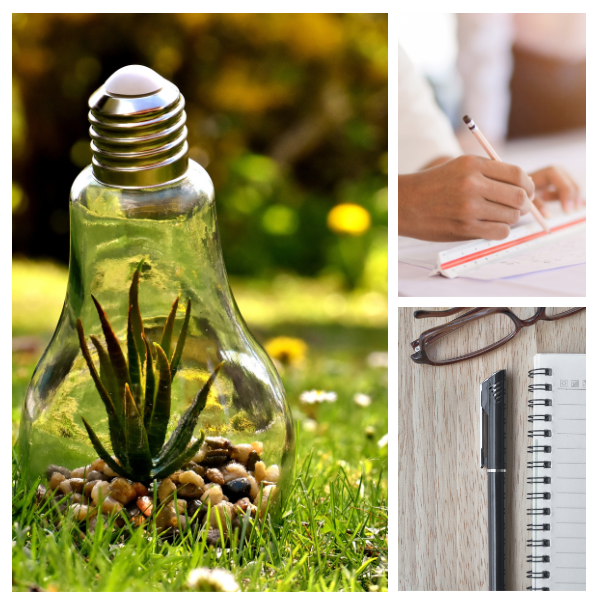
(539, 464)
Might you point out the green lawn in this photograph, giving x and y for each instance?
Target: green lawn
(333, 534)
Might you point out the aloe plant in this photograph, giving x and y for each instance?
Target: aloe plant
(136, 392)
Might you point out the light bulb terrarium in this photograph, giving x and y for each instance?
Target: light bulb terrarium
(152, 380)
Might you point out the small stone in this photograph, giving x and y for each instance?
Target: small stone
(260, 471)
(98, 465)
(166, 517)
(132, 510)
(254, 489)
(76, 483)
(218, 443)
(215, 476)
(213, 537)
(252, 460)
(110, 505)
(241, 452)
(236, 489)
(199, 457)
(76, 499)
(144, 503)
(140, 489)
(175, 476)
(95, 476)
(166, 489)
(55, 480)
(122, 490)
(100, 491)
(80, 472)
(56, 469)
(191, 477)
(268, 499)
(272, 474)
(214, 458)
(219, 512)
(81, 511)
(198, 469)
(196, 509)
(258, 447)
(189, 490)
(233, 471)
(242, 505)
(108, 471)
(181, 507)
(88, 487)
(65, 487)
(213, 494)
(40, 493)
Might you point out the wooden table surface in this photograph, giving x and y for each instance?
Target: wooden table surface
(442, 533)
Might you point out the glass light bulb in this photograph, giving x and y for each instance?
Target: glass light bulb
(142, 199)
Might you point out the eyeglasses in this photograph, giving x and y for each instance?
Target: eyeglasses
(476, 332)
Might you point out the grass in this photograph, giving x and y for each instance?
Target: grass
(333, 534)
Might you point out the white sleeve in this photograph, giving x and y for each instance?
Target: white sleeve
(485, 65)
(424, 132)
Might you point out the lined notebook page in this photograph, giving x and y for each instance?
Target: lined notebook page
(566, 552)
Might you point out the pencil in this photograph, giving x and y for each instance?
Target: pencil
(494, 156)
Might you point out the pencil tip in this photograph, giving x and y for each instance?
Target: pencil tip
(467, 119)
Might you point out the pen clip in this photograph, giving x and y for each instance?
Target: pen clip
(483, 424)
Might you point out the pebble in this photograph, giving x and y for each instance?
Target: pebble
(268, 498)
(65, 487)
(252, 460)
(56, 469)
(233, 471)
(272, 474)
(95, 476)
(140, 489)
(144, 503)
(258, 447)
(213, 494)
(196, 506)
(198, 469)
(76, 499)
(174, 477)
(215, 476)
(108, 471)
(241, 452)
(254, 489)
(236, 489)
(76, 483)
(98, 465)
(80, 472)
(242, 505)
(191, 477)
(214, 458)
(166, 517)
(189, 490)
(110, 505)
(55, 480)
(122, 490)
(88, 487)
(40, 493)
(166, 488)
(260, 471)
(99, 491)
(219, 512)
(213, 537)
(81, 511)
(199, 457)
(218, 443)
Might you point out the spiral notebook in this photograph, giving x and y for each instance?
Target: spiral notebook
(556, 473)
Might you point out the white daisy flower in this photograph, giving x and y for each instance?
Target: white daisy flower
(383, 442)
(317, 396)
(378, 360)
(212, 580)
(362, 400)
(310, 425)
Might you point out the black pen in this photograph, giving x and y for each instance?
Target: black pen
(492, 441)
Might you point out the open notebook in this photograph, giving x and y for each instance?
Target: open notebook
(556, 473)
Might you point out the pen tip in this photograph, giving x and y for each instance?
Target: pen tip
(467, 119)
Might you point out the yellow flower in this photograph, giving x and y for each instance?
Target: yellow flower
(350, 219)
(287, 350)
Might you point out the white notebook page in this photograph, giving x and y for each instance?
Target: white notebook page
(566, 553)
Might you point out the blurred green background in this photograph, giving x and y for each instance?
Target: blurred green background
(288, 114)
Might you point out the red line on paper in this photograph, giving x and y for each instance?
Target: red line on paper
(500, 247)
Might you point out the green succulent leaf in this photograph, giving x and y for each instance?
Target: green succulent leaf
(150, 386)
(160, 472)
(113, 346)
(165, 341)
(181, 340)
(135, 370)
(138, 452)
(185, 428)
(107, 375)
(136, 316)
(102, 453)
(114, 419)
(161, 411)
